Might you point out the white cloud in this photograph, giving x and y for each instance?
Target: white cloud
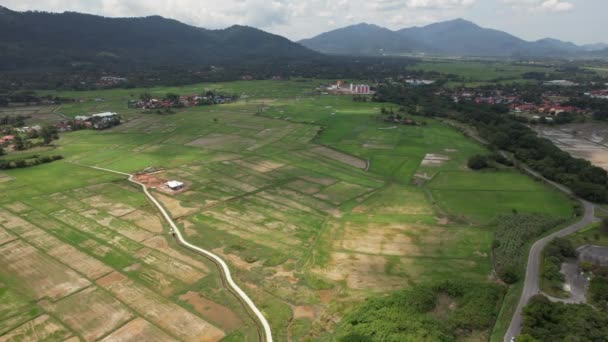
(541, 5)
(556, 6)
(391, 5)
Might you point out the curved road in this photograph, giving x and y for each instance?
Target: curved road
(223, 266)
(534, 258)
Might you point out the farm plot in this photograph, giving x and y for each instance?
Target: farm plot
(45, 277)
(91, 312)
(41, 328)
(160, 311)
(139, 329)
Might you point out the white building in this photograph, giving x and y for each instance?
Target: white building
(561, 83)
(419, 82)
(360, 89)
(175, 185)
(104, 115)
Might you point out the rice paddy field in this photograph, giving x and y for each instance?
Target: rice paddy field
(313, 202)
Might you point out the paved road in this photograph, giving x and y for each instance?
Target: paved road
(534, 258)
(223, 266)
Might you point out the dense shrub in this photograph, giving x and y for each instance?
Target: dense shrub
(512, 234)
(548, 321)
(27, 162)
(598, 292)
(410, 315)
(477, 162)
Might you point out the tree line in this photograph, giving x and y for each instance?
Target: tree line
(27, 162)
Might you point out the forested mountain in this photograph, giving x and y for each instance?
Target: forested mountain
(456, 37)
(40, 39)
(363, 38)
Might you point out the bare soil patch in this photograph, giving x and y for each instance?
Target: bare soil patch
(308, 188)
(161, 311)
(91, 312)
(376, 239)
(138, 330)
(145, 220)
(5, 236)
(170, 265)
(90, 267)
(213, 311)
(17, 207)
(361, 271)
(113, 208)
(124, 228)
(42, 275)
(175, 207)
(252, 166)
(434, 159)
(151, 181)
(304, 311)
(40, 328)
(161, 244)
(217, 141)
(341, 157)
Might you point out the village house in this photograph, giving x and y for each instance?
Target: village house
(560, 83)
(598, 94)
(417, 82)
(7, 139)
(175, 185)
(339, 88)
(111, 80)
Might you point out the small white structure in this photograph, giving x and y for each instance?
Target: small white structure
(104, 115)
(175, 185)
(560, 83)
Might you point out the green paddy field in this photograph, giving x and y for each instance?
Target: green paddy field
(313, 202)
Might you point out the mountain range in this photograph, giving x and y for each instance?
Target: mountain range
(41, 39)
(455, 38)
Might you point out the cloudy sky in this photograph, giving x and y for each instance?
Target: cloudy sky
(580, 21)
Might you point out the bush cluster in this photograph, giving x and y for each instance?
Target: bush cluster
(27, 162)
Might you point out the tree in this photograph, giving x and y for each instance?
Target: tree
(2, 151)
(145, 97)
(174, 98)
(604, 226)
(19, 143)
(48, 133)
(477, 162)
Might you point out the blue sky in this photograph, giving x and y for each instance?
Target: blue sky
(579, 21)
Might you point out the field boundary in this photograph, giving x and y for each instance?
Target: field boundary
(225, 270)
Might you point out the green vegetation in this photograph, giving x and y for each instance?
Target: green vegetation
(548, 321)
(443, 312)
(27, 162)
(313, 200)
(556, 252)
(511, 238)
(477, 162)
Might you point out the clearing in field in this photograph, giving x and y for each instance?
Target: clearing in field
(340, 156)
